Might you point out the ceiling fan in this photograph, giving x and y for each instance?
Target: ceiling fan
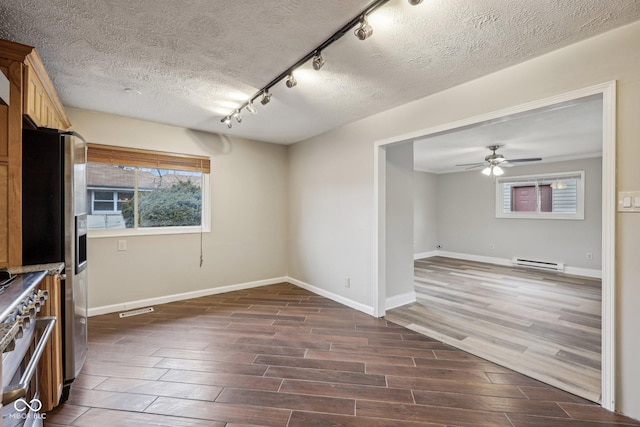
(494, 162)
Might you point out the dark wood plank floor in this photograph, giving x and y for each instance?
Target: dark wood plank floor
(282, 356)
(544, 324)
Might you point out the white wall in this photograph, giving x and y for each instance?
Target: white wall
(248, 238)
(467, 222)
(332, 175)
(399, 275)
(425, 202)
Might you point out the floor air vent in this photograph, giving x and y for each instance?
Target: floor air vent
(542, 265)
(136, 312)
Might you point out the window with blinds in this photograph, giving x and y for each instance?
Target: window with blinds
(133, 190)
(545, 196)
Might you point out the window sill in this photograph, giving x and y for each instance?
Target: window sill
(540, 216)
(128, 232)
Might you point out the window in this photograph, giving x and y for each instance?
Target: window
(109, 201)
(139, 191)
(545, 196)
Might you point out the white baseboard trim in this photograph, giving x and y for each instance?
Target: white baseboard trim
(420, 255)
(400, 300)
(586, 272)
(575, 271)
(477, 258)
(114, 308)
(335, 297)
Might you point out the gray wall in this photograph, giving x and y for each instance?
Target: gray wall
(466, 220)
(425, 234)
(399, 220)
(332, 176)
(248, 238)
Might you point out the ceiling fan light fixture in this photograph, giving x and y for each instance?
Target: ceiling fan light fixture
(487, 170)
(497, 170)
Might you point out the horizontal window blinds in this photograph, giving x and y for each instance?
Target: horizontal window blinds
(147, 158)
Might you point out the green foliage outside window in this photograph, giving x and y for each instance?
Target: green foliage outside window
(175, 206)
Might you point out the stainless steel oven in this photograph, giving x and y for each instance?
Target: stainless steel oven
(20, 302)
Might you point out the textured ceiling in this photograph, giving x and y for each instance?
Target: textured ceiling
(563, 131)
(194, 61)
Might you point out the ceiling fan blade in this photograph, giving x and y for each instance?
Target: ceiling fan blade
(479, 165)
(532, 159)
(472, 164)
(506, 165)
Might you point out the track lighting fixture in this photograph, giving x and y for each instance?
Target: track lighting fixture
(364, 30)
(291, 81)
(266, 97)
(415, 2)
(251, 108)
(318, 61)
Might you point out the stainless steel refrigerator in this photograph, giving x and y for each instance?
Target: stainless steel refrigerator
(54, 224)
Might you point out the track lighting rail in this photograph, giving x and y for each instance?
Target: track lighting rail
(315, 55)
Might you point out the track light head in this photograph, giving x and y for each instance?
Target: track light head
(266, 97)
(364, 30)
(227, 121)
(415, 2)
(251, 108)
(291, 81)
(237, 116)
(318, 61)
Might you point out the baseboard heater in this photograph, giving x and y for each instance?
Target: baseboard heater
(543, 265)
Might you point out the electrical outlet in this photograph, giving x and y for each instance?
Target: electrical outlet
(347, 282)
(589, 255)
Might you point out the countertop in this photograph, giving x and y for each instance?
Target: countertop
(51, 268)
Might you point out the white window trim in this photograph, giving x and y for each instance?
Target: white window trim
(578, 215)
(154, 231)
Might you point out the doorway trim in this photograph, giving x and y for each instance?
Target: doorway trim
(608, 91)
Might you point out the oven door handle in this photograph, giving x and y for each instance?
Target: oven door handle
(16, 391)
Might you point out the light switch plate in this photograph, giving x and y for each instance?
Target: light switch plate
(629, 201)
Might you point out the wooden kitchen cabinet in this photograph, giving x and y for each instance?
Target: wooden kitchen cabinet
(50, 375)
(41, 104)
(33, 102)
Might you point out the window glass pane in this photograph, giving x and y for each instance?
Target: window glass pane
(124, 196)
(565, 195)
(103, 195)
(103, 206)
(104, 182)
(524, 198)
(168, 198)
